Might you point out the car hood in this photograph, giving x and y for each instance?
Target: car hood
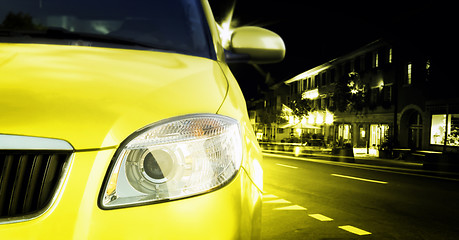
(96, 97)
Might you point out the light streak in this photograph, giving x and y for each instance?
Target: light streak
(297, 150)
(329, 117)
(229, 24)
(225, 28)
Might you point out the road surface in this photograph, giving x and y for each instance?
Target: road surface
(314, 199)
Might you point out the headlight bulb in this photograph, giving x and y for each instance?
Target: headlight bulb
(175, 158)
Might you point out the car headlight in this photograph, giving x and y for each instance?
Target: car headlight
(172, 159)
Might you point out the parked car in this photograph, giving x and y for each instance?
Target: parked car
(121, 120)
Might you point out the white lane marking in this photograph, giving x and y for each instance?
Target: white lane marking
(292, 207)
(277, 201)
(288, 166)
(354, 230)
(360, 179)
(321, 217)
(269, 196)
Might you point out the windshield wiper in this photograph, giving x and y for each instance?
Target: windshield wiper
(63, 34)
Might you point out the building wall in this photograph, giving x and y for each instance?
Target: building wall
(410, 101)
(397, 80)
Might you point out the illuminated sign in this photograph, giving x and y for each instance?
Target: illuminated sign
(311, 94)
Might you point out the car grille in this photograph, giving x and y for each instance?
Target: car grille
(29, 180)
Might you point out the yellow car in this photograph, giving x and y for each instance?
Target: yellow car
(121, 120)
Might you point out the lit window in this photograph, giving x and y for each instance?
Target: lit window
(445, 125)
(329, 117)
(437, 130)
(344, 133)
(390, 55)
(378, 134)
(375, 60)
(408, 73)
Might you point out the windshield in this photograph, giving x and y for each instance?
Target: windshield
(165, 25)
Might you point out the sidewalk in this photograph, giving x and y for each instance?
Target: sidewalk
(416, 166)
(421, 160)
(372, 160)
(358, 158)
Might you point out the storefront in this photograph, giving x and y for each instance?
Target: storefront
(444, 126)
(343, 134)
(379, 134)
(365, 138)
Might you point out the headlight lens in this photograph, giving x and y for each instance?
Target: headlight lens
(173, 159)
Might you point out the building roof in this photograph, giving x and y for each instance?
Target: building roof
(314, 71)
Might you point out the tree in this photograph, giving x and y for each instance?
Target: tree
(20, 21)
(268, 116)
(351, 93)
(301, 106)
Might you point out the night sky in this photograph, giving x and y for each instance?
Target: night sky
(317, 31)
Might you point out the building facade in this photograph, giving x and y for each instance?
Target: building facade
(381, 95)
(266, 114)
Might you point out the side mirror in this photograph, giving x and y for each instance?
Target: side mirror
(255, 45)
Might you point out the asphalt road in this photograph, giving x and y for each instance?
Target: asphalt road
(316, 199)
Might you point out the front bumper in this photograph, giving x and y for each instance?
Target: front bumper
(232, 212)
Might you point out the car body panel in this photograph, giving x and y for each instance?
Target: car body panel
(94, 98)
(231, 107)
(215, 35)
(77, 110)
(76, 215)
(73, 93)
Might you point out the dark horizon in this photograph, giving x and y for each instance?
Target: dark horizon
(319, 32)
